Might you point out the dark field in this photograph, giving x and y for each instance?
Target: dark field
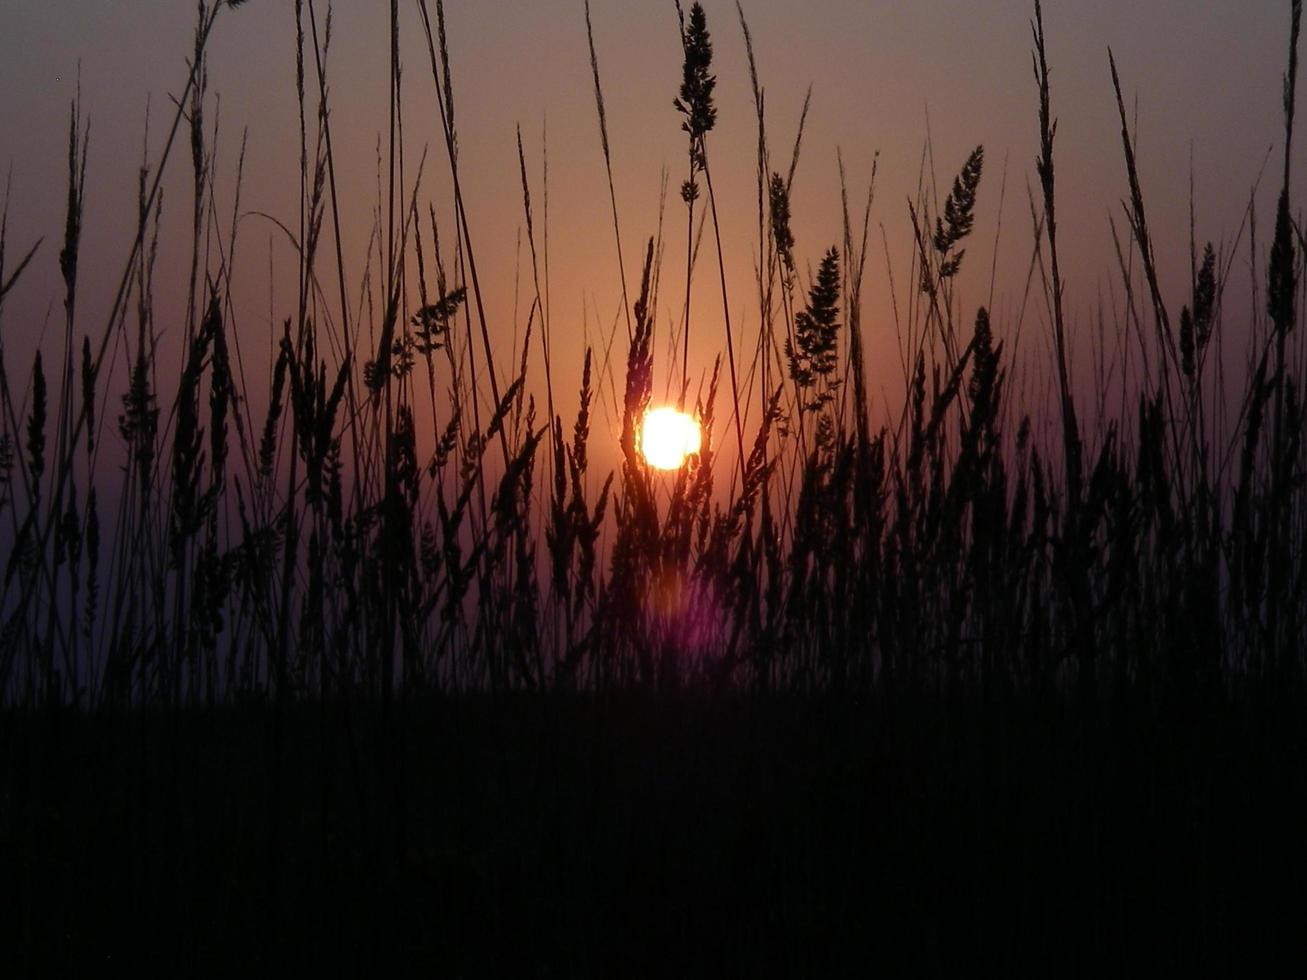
(635, 836)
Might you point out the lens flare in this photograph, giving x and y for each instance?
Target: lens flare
(667, 437)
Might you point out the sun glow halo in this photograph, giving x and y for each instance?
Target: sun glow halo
(668, 437)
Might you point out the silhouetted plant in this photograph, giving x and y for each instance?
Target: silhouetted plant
(363, 539)
(959, 215)
(813, 354)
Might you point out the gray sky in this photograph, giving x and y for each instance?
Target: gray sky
(1205, 78)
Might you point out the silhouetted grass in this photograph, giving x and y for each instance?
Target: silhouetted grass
(370, 577)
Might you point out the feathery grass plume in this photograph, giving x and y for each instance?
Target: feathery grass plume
(812, 354)
(445, 445)
(446, 76)
(567, 518)
(458, 574)
(695, 103)
(189, 507)
(697, 83)
(937, 259)
(68, 255)
(199, 162)
(138, 424)
(1205, 297)
(1196, 325)
(779, 199)
(504, 409)
(317, 204)
(699, 43)
(589, 527)
(984, 392)
(959, 215)
(314, 405)
(586, 523)
(432, 321)
(688, 516)
(268, 441)
(206, 617)
(978, 484)
(639, 367)
(1282, 272)
(36, 430)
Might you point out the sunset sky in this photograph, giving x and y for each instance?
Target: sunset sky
(1206, 76)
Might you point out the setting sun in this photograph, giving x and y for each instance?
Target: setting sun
(667, 437)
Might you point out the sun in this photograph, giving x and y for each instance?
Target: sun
(668, 437)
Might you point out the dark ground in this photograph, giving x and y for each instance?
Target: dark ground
(572, 837)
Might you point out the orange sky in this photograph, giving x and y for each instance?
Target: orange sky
(884, 75)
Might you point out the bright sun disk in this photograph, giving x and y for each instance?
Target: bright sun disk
(667, 437)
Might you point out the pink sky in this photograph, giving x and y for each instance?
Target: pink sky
(1207, 79)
